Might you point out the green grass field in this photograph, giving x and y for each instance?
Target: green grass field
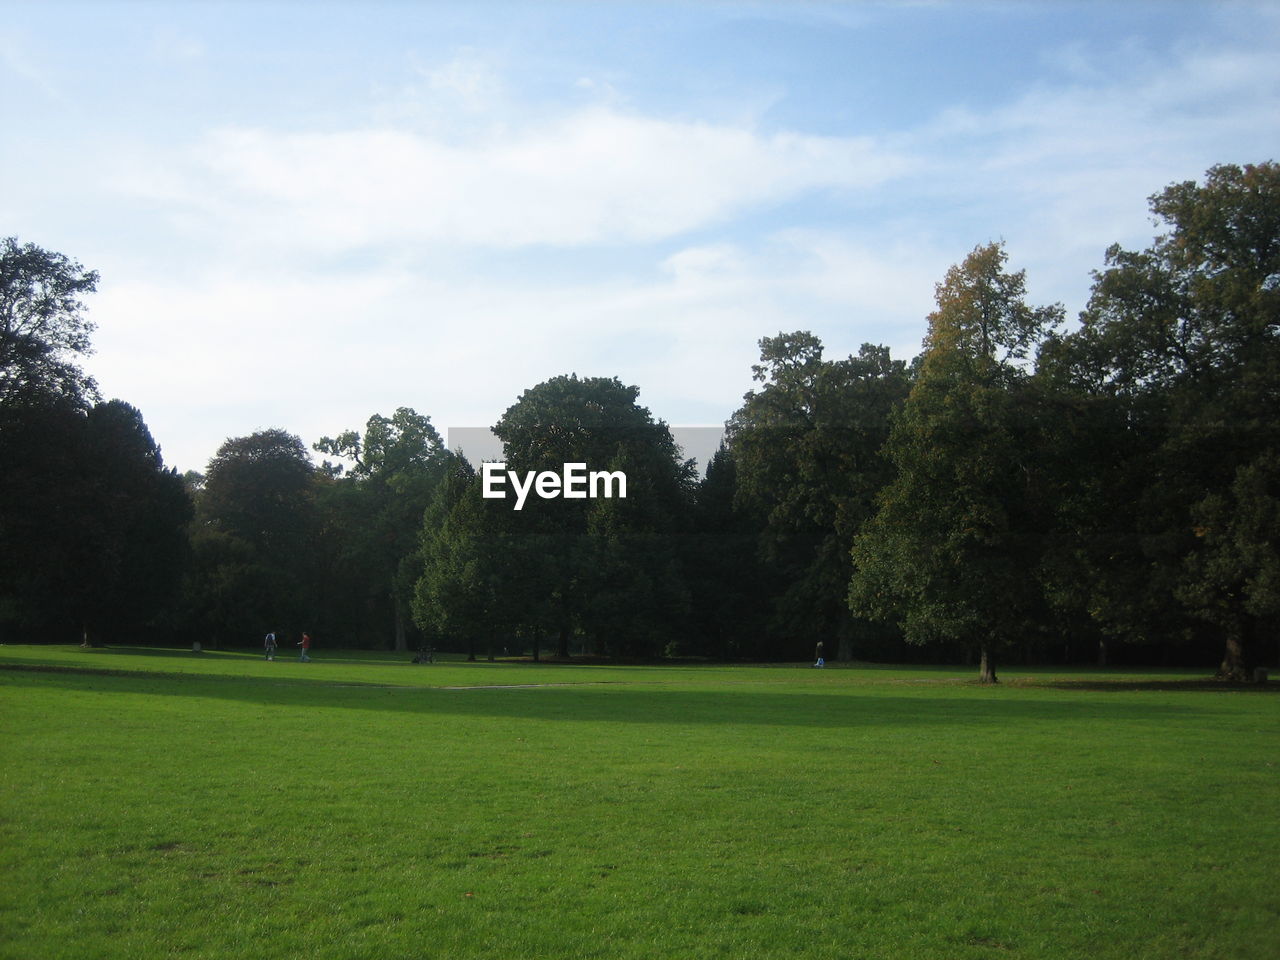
(157, 803)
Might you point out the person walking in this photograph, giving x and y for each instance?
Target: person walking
(305, 644)
(270, 645)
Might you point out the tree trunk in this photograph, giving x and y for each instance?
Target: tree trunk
(1232, 667)
(471, 648)
(562, 644)
(537, 646)
(1102, 652)
(987, 667)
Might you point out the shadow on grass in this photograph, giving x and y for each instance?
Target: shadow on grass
(1207, 685)
(159, 653)
(623, 702)
(186, 657)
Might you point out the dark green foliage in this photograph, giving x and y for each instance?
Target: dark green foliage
(92, 526)
(459, 595)
(259, 488)
(730, 585)
(807, 462)
(609, 572)
(374, 513)
(1013, 491)
(1182, 342)
(635, 584)
(42, 324)
(255, 537)
(953, 550)
(1232, 579)
(135, 531)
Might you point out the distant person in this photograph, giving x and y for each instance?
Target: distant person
(821, 661)
(305, 644)
(270, 644)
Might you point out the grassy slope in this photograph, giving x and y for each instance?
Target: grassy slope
(222, 806)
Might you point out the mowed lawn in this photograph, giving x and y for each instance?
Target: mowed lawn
(166, 804)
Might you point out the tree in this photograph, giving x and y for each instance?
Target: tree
(379, 506)
(596, 421)
(135, 529)
(466, 563)
(953, 548)
(256, 512)
(806, 450)
(1183, 339)
(259, 488)
(42, 324)
(730, 599)
(92, 526)
(1233, 578)
(1097, 569)
(636, 598)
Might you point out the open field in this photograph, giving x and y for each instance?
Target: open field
(164, 804)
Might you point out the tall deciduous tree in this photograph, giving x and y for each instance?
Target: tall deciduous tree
(806, 450)
(378, 507)
(256, 527)
(596, 421)
(1184, 339)
(43, 326)
(91, 523)
(953, 549)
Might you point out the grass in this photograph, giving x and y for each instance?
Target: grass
(165, 804)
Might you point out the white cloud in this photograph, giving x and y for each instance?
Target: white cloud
(594, 176)
(232, 353)
(269, 334)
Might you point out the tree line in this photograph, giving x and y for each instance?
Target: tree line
(1019, 490)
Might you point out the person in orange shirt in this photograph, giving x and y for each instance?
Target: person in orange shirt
(305, 644)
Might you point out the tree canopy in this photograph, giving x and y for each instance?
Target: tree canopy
(43, 324)
(953, 548)
(1022, 488)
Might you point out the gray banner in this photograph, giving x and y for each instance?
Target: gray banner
(479, 444)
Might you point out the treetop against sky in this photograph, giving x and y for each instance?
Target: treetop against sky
(303, 214)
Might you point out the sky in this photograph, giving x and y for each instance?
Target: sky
(304, 214)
